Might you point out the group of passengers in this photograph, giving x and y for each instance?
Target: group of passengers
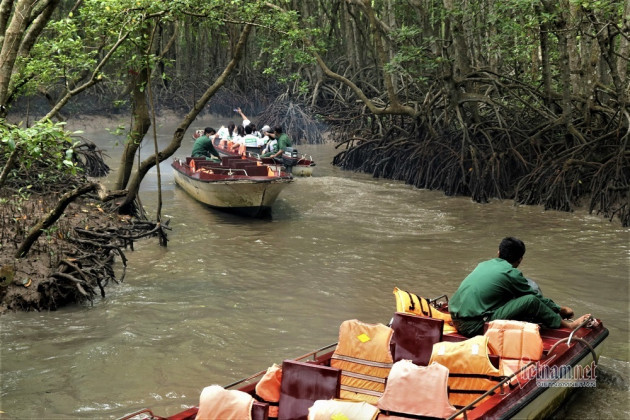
(266, 141)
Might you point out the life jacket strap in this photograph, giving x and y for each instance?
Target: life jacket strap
(477, 376)
(412, 304)
(364, 377)
(361, 391)
(362, 361)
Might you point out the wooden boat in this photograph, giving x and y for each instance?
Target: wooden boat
(298, 165)
(235, 184)
(569, 359)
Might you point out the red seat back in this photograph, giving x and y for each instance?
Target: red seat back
(414, 337)
(304, 383)
(260, 411)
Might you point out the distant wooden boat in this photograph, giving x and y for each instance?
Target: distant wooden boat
(235, 184)
(533, 389)
(299, 165)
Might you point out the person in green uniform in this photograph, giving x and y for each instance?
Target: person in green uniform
(496, 289)
(204, 145)
(283, 141)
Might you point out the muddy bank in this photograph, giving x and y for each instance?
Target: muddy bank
(45, 266)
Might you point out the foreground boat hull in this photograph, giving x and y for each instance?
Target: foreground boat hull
(534, 391)
(533, 400)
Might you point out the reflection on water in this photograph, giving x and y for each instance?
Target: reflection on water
(230, 296)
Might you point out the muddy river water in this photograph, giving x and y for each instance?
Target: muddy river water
(229, 296)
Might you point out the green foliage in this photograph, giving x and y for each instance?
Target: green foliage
(43, 143)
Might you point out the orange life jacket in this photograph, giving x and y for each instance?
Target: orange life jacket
(342, 409)
(471, 373)
(268, 388)
(216, 402)
(364, 357)
(411, 303)
(517, 342)
(417, 390)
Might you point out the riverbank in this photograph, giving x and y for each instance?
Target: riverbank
(71, 262)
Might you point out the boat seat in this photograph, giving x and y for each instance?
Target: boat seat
(255, 170)
(196, 159)
(204, 163)
(414, 337)
(304, 383)
(228, 160)
(260, 411)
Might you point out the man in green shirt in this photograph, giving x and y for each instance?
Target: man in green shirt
(204, 146)
(496, 289)
(283, 141)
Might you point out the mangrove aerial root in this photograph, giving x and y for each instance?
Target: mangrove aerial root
(502, 149)
(294, 119)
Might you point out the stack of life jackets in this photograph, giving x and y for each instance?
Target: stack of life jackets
(268, 388)
(517, 342)
(416, 390)
(216, 402)
(471, 373)
(342, 409)
(364, 357)
(407, 302)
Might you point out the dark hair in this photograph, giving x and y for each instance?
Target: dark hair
(248, 129)
(277, 129)
(240, 130)
(231, 128)
(511, 249)
(209, 130)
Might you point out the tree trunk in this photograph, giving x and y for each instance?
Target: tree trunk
(52, 217)
(139, 128)
(144, 167)
(10, 47)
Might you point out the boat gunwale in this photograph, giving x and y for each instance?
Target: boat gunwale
(185, 169)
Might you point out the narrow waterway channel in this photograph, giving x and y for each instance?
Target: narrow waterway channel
(229, 296)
